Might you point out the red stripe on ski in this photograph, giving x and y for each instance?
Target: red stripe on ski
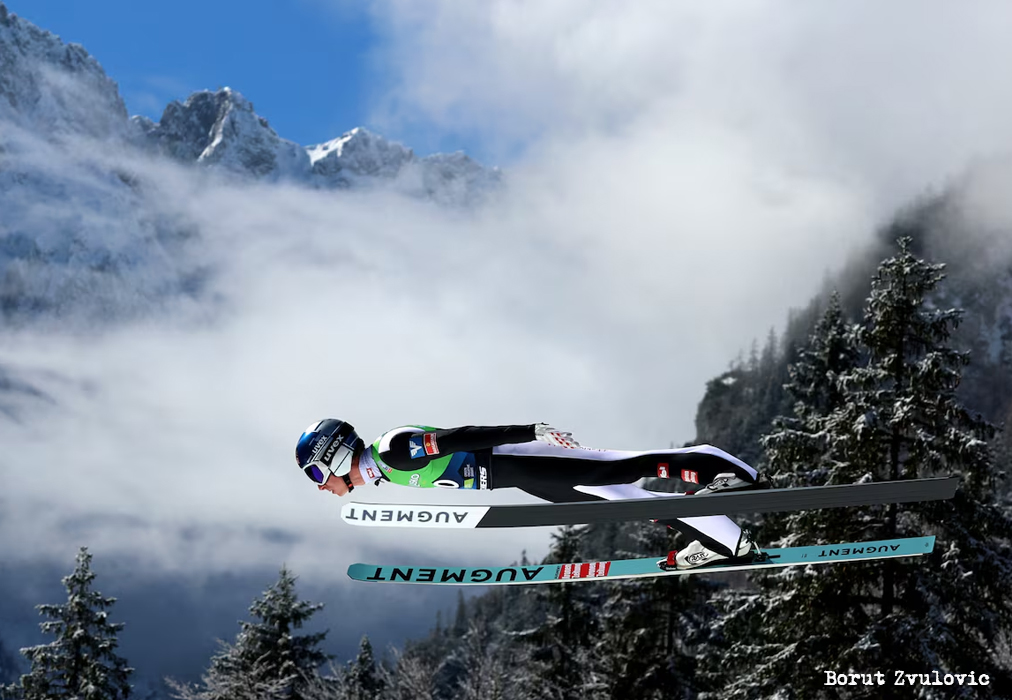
(594, 569)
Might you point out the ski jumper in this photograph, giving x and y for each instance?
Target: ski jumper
(473, 457)
(494, 457)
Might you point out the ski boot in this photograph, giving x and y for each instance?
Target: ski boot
(696, 555)
(728, 482)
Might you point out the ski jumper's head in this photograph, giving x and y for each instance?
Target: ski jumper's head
(327, 451)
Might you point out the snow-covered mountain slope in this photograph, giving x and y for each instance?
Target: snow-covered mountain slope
(356, 155)
(82, 232)
(359, 158)
(50, 87)
(80, 236)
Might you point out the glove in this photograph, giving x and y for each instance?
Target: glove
(546, 433)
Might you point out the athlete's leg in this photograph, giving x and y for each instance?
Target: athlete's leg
(716, 532)
(701, 464)
(560, 474)
(536, 462)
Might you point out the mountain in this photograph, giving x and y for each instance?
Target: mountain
(359, 155)
(221, 129)
(356, 155)
(86, 235)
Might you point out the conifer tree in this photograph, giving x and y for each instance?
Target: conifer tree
(268, 657)
(229, 677)
(559, 647)
(414, 677)
(364, 679)
(831, 352)
(460, 618)
(488, 666)
(271, 638)
(648, 627)
(82, 661)
(756, 644)
(740, 403)
(797, 450)
(902, 420)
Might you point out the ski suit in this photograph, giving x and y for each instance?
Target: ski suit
(494, 457)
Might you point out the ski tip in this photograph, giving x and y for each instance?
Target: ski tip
(360, 572)
(407, 515)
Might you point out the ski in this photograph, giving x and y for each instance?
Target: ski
(637, 568)
(548, 514)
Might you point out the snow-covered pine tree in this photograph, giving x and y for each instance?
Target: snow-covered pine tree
(648, 626)
(761, 641)
(559, 647)
(267, 653)
(271, 638)
(831, 352)
(796, 449)
(413, 677)
(364, 678)
(902, 419)
(488, 665)
(459, 628)
(229, 678)
(81, 663)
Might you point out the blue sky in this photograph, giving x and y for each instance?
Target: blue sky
(308, 66)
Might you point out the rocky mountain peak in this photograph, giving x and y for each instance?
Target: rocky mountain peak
(222, 128)
(356, 154)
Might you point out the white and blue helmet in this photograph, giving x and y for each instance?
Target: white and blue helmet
(326, 448)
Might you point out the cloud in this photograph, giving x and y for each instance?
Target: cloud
(885, 98)
(979, 210)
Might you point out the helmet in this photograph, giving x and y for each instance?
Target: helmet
(327, 448)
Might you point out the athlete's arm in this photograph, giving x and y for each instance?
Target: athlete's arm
(411, 451)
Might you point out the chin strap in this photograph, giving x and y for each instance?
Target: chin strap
(347, 482)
